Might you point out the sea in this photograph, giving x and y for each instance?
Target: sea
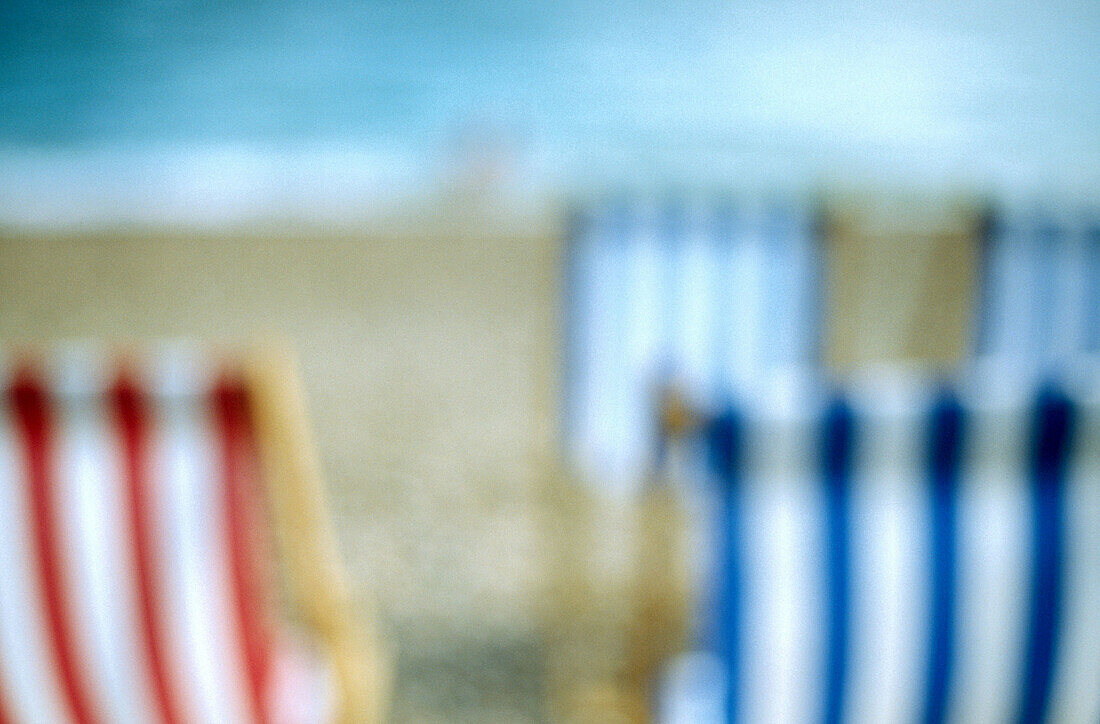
(164, 109)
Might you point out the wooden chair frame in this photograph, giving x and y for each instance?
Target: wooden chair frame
(316, 580)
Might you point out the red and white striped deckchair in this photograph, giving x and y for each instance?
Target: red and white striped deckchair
(138, 497)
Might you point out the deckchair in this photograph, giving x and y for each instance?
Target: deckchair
(156, 508)
(900, 546)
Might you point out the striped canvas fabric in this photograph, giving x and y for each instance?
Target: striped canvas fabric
(902, 549)
(1040, 284)
(134, 581)
(703, 292)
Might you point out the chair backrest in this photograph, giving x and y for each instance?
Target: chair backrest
(135, 576)
(700, 290)
(904, 548)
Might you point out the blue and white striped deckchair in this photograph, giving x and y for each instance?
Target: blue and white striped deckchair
(701, 292)
(902, 548)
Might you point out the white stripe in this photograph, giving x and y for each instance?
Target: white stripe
(783, 633)
(994, 559)
(647, 341)
(26, 662)
(1076, 689)
(602, 432)
(96, 529)
(204, 638)
(608, 418)
(747, 266)
(890, 556)
(696, 316)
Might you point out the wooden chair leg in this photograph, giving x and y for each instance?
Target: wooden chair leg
(316, 578)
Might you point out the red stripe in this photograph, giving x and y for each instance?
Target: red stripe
(239, 471)
(132, 418)
(5, 707)
(34, 419)
(5, 710)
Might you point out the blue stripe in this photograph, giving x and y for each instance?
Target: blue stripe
(776, 263)
(837, 445)
(1048, 238)
(945, 453)
(1049, 461)
(816, 289)
(725, 446)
